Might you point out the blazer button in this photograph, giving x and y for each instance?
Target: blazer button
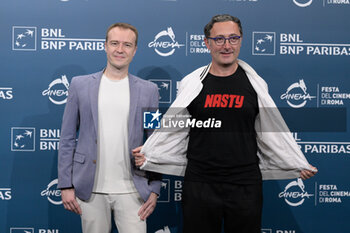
(94, 161)
(96, 141)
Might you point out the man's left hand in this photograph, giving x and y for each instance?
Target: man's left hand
(139, 157)
(148, 207)
(306, 174)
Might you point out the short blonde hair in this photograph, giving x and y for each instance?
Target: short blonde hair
(124, 26)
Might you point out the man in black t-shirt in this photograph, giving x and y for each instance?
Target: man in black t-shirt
(223, 181)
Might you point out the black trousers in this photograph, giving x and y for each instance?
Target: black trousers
(208, 206)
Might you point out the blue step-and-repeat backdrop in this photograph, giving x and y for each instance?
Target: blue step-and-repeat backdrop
(300, 47)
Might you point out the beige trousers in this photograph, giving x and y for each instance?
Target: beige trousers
(98, 210)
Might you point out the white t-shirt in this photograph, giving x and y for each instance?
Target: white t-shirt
(113, 174)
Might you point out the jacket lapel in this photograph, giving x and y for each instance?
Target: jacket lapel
(94, 88)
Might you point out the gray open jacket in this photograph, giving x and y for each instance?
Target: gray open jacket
(279, 155)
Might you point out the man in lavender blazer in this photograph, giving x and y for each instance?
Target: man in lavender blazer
(80, 154)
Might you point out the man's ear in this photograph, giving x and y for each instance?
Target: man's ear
(207, 42)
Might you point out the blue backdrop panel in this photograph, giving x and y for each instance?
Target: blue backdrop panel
(300, 47)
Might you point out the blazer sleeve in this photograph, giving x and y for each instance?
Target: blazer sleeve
(153, 177)
(67, 144)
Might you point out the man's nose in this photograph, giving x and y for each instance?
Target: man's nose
(119, 48)
(226, 43)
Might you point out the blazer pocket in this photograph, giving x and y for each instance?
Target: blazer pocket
(80, 158)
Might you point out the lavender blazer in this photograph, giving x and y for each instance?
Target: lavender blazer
(77, 158)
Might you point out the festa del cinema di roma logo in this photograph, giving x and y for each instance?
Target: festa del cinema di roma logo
(296, 95)
(302, 3)
(58, 90)
(162, 45)
(52, 193)
(294, 193)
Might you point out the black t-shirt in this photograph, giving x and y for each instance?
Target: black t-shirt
(227, 154)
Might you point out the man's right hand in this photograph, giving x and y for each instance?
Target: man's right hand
(69, 201)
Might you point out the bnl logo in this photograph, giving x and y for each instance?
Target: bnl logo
(151, 120)
(31, 230)
(23, 38)
(164, 88)
(264, 43)
(164, 195)
(266, 231)
(164, 230)
(21, 230)
(22, 139)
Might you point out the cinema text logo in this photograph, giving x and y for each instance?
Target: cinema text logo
(164, 43)
(264, 43)
(302, 3)
(164, 89)
(296, 95)
(22, 139)
(6, 93)
(58, 90)
(25, 38)
(294, 193)
(52, 193)
(5, 194)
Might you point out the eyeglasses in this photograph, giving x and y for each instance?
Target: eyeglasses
(220, 40)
